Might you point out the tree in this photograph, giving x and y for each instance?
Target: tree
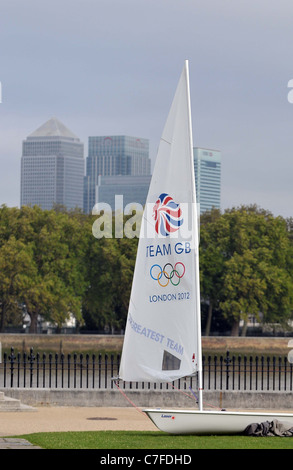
(213, 234)
(246, 265)
(59, 243)
(56, 242)
(110, 264)
(257, 260)
(16, 268)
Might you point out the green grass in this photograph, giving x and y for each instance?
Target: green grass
(151, 440)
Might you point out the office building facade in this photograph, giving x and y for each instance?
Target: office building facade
(207, 168)
(133, 189)
(113, 156)
(52, 167)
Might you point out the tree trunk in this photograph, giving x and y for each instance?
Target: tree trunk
(235, 328)
(209, 319)
(244, 328)
(34, 322)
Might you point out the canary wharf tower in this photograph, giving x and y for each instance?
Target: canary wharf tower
(110, 156)
(207, 168)
(52, 167)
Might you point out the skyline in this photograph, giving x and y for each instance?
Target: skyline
(107, 68)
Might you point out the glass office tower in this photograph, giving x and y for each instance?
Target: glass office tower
(134, 189)
(113, 156)
(52, 167)
(207, 167)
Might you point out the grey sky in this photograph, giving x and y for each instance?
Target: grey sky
(112, 66)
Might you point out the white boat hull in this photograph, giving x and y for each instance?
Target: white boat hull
(210, 422)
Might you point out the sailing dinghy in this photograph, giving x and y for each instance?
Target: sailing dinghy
(162, 340)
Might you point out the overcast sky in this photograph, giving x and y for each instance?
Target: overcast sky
(111, 67)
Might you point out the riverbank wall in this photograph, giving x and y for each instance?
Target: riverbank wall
(219, 399)
(80, 343)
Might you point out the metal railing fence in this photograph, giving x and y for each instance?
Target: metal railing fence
(79, 371)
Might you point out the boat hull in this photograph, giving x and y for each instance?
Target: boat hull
(210, 422)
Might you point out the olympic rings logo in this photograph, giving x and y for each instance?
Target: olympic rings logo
(169, 273)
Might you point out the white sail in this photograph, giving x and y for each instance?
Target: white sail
(162, 336)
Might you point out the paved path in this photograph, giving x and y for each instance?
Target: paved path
(54, 419)
(11, 443)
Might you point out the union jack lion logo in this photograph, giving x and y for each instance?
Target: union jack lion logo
(167, 215)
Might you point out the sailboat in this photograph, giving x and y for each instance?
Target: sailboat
(162, 341)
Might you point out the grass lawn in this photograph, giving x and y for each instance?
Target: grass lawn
(107, 440)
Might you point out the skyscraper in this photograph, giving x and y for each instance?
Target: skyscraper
(134, 189)
(113, 156)
(207, 168)
(52, 167)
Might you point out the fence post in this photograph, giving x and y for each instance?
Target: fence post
(209, 372)
(239, 372)
(256, 372)
(268, 373)
(50, 369)
(11, 358)
(262, 371)
(221, 372)
(68, 372)
(62, 370)
(245, 370)
(87, 370)
(4, 369)
(81, 369)
(106, 369)
(31, 359)
(38, 368)
(44, 370)
(233, 372)
(24, 369)
(100, 367)
(250, 372)
(215, 373)
(94, 363)
(227, 361)
(18, 369)
(112, 370)
(74, 369)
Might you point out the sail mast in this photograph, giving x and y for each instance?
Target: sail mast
(196, 252)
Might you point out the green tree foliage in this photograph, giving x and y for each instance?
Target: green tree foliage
(16, 266)
(246, 265)
(45, 249)
(213, 241)
(51, 262)
(110, 264)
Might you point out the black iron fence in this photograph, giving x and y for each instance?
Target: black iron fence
(79, 371)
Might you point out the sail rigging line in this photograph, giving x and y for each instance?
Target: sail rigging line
(204, 402)
(194, 396)
(179, 390)
(128, 399)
